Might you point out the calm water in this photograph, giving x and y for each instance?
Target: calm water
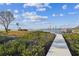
(53, 31)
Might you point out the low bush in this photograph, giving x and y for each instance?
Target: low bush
(34, 44)
(73, 43)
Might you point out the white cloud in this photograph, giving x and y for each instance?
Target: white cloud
(47, 5)
(30, 17)
(72, 13)
(25, 20)
(33, 5)
(7, 3)
(61, 14)
(45, 22)
(16, 16)
(8, 9)
(16, 11)
(57, 14)
(41, 9)
(53, 15)
(77, 6)
(37, 5)
(64, 7)
(34, 17)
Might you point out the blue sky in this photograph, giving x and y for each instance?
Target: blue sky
(42, 15)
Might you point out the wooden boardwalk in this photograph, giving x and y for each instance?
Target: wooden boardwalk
(59, 47)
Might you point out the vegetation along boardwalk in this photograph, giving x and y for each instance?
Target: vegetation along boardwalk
(59, 47)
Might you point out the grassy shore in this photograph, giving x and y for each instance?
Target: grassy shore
(72, 40)
(25, 43)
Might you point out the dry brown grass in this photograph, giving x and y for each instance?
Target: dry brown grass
(15, 33)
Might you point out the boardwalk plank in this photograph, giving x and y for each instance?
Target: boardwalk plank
(59, 47)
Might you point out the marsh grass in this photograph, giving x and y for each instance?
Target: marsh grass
(25, 43)
(73, 43)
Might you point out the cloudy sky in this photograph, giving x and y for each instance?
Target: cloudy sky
(42, 15)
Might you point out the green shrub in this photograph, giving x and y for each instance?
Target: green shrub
(73, 40)
(1, 50)
(32, 44)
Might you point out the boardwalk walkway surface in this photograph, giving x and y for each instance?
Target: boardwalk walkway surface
(59, 47)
